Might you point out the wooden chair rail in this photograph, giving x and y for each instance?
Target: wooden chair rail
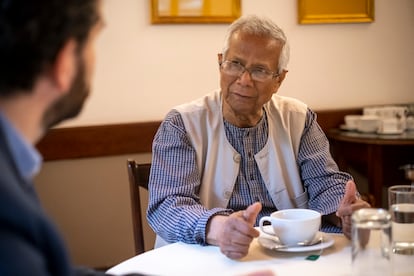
(95, 141)
(125, 138)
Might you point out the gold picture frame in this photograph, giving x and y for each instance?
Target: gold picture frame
(335, 11)
(194, 11)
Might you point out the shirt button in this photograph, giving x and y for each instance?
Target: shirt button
(237, 158)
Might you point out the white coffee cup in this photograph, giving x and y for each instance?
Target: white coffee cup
(368, 123)
(351, 121)
(391, 125)
(371, 111)
(292, 226)
(410, 123)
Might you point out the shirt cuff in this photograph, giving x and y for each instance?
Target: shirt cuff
(201, 234)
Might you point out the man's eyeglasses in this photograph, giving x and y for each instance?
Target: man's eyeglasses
(236, 69)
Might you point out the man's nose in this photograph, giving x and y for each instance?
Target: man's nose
(245, 77)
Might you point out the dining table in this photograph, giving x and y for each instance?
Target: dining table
(377, 157)
(331, 256)
(193, 259)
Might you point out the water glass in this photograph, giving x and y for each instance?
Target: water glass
(401, 204)
(371, 242)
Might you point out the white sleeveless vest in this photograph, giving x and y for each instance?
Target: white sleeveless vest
(219, 163)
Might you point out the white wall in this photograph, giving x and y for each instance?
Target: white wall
(89, 201)
(143, 70)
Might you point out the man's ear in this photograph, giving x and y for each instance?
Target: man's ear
(220, 58)
(65, 66)
(279, 80)
(282, 76)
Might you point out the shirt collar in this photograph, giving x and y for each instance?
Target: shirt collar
(27, 158)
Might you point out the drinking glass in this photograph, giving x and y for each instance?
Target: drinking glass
(371, 242)
(401, 204)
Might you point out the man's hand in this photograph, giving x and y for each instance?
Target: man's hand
(350, 203)
(234, 233)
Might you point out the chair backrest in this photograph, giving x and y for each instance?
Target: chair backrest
(138, 177)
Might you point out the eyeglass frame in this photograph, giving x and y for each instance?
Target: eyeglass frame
(270, 74)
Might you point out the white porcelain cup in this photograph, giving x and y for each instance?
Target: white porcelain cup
(410, 123)
(292, 226)
(392, 111)
(368, 123)
(371, 111)
(351, 121)
(391, 125)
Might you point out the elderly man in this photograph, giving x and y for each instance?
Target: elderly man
(242, 152)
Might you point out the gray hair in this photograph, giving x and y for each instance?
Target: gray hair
(252, 24)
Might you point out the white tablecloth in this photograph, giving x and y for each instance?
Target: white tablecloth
(189, 259)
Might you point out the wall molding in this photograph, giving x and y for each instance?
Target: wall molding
(97, 141)
(125, 138)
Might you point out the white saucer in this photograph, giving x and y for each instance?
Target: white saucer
(345, 127)
(272, 243)
(394, 132)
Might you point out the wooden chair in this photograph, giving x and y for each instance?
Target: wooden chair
(138, 177)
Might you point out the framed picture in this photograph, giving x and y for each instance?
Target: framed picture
(335, 11)
(194, 11)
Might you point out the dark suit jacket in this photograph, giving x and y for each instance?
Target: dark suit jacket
(29, 242)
